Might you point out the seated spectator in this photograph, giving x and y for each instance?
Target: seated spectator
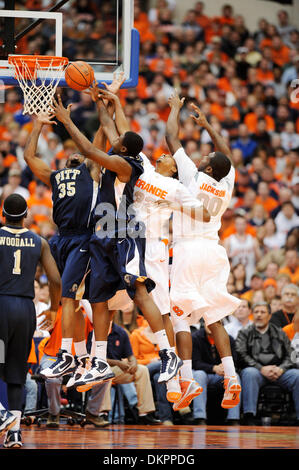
(257, 216)
(292, 332)
(239, 319)
(239, 274)
(245, 143)
(208, 370)
(287, 219)
(126, 369)
(270, 289)
(264, 198)
(271, 238)
(242, 247)
(14, 184)
(291, 265)
(290, 303)
(256, 284)
(276, 304)
(264, 356)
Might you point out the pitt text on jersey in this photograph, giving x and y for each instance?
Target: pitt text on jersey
(66, 180)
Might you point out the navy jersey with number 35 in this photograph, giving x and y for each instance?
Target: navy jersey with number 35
(20, 251)
(74, 196)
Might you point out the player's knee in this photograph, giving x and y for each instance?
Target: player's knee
(180, 326)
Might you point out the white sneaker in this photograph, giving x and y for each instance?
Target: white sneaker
(64, 364)
(82, 365)
(99, 372)
(170, 364)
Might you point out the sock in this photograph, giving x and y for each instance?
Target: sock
(173, 385)
(186, 369)
(162, 339)
(228, 365)
(18, 415)
(80, 348)
(101, 350)
(66, 344)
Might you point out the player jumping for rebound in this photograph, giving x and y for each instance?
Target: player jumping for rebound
(117, 255)
(200, 266)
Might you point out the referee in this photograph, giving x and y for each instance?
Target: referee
(20, 252)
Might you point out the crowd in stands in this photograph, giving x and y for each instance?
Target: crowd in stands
(245, 83)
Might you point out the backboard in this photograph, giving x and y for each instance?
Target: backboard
(99, 32)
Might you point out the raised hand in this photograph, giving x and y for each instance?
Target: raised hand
(200, 119)
(45, 118)
(118, 79)
(61, 113)
(175, 101)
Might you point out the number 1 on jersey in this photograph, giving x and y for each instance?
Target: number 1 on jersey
(17, 265)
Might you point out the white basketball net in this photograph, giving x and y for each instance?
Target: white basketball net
(39, 83)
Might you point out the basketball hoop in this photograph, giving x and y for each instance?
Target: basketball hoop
(38, 77)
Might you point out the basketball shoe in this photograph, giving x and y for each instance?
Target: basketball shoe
(174, 392)
(64, 364)
(99, 372)
(190, 389)
(231, 397)
(82, 364)
(13, 439)
(170, 364)
(7, 420)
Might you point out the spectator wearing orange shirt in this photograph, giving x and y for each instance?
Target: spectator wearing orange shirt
(40, 203)
(291, 266)
(263, 197)
(251, 119)
(280, 52)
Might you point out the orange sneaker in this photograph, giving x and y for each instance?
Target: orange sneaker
(232, 392)
(174, 392)
(190, 389)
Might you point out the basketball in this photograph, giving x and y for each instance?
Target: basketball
(79, 75)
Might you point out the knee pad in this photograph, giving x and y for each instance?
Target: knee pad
(180, 325)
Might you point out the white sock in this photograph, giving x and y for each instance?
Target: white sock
(162, 339)
(66, 344)
(228, 366)
(101, 350)
(80, 348)
(173, 385)
(18, 415)
(186, 369)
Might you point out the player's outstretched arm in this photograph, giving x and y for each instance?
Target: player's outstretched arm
(121, 121)
(114, 163)
(218, 141)
(172, 125)
(53, 276)
(40, 169)
(196, 212)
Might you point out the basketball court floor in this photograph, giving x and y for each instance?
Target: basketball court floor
(176, 437)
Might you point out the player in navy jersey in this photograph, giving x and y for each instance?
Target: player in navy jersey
(74, 195)
(20, 252)
(117, 255)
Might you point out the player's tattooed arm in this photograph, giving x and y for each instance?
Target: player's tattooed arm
(218, 141)
(173, 125)
(114, 163)
(40, 169)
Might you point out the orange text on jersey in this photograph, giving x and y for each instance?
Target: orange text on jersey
(211, 189)
(151, 188)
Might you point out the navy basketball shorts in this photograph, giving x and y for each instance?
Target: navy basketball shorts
(17, 326)
(72, 256)
(116, 264)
